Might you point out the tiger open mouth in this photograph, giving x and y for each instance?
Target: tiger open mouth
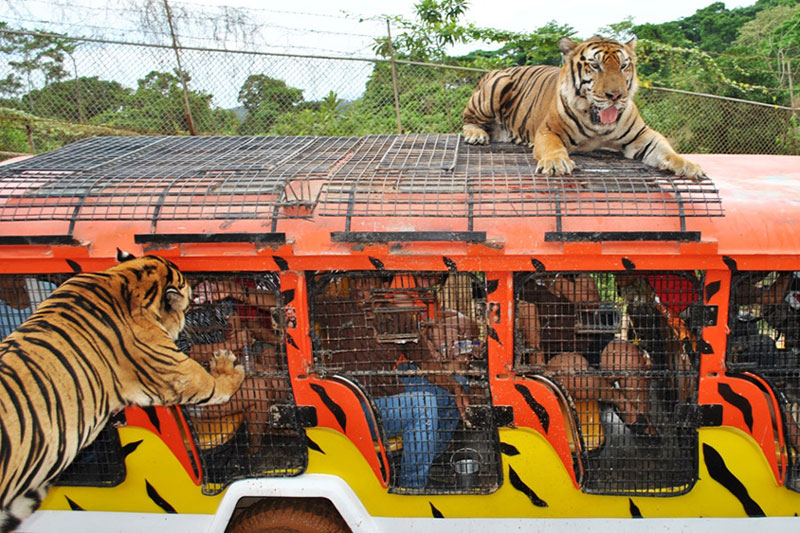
(608, 115)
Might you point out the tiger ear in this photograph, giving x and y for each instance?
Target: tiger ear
(631, 44)
(124, 256)
(566, 45)
(173, 297)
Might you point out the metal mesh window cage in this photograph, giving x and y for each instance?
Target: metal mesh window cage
(256, 433)
(764, 338)
(101, 464)
(415, 342)
(623, 347)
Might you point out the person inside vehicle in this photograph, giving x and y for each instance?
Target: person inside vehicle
(19, 298)
(407, 352)
(547, 319)
(222, 318)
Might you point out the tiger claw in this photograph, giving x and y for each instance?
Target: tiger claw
(475, 135)
(682, 167)
(223, 363)
(555, 166)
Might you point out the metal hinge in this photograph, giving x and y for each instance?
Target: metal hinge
(703, 315)
(705, 415)
(288, 416)
(488, 416)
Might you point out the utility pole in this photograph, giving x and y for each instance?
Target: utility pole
(394, 78)
(181, 75)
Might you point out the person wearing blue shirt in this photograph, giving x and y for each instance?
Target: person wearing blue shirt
(19, 298)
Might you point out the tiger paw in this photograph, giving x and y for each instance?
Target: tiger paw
(475, 135)
(683, 167)
(555, 166)
(223, 367)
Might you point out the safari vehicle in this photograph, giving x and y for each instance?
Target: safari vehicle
(618, 344)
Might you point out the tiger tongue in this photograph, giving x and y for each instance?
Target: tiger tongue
(609, 115)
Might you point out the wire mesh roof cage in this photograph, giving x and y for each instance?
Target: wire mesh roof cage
(764, 338)
(623, 347)
(186, 178)
(440, 175)
(170, 178)
(415, 343)
(256, 433)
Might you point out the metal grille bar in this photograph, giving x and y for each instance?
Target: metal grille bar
(170, 178)
(622, 345)
(437, 175)
(764, 324)
(415, 343)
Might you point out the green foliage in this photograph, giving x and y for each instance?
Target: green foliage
(327, 117)
(265, 99)
(790, 139)
(774, 34)
(76, 100)
(724, 52)
(431, 100)
(436, 27)
(157, 105)
(687, 69)
(32, 55)
(621, 31)
(17, 126)
(540, 47)
(749, 52)
(425, 39)
(711, 28)
(705, 125)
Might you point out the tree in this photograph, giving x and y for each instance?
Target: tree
(539, 47)
(775, 33)
(76, 100)
(35, 59)
(157, 106)
(325, 117)
(711, 28)
(265, 99)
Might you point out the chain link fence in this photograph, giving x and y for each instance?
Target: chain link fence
(120, 88)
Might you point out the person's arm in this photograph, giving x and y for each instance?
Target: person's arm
(238, 338)
(440, 367)
(219, 290)
(13, 293)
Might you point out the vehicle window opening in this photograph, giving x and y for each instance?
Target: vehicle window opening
(415, 342)
(623, 347)
(256, 433)
(764, 338)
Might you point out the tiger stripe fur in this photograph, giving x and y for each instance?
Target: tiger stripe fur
(585, 105)
(100, 342)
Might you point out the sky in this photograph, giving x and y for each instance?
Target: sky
(586, 17)
(338, 28)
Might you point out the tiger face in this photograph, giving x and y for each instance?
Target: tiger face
(585, 105)
(100, 342)
(165, 294)
(603, 75)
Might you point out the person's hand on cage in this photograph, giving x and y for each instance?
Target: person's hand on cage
(210, 291)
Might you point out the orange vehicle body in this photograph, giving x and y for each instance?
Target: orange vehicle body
(748, 220)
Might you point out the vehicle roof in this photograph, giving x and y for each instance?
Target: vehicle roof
(359, 188)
